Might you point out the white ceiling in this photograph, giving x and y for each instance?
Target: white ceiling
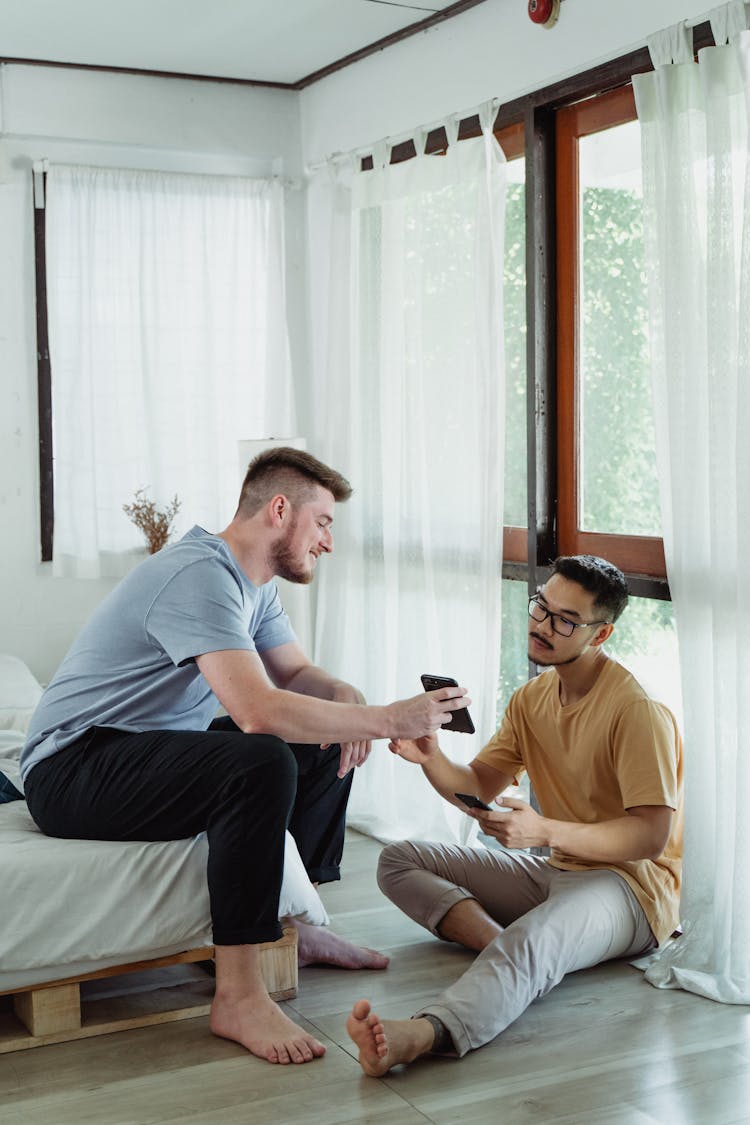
(273, 41)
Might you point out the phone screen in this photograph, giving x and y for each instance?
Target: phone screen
(460, 720)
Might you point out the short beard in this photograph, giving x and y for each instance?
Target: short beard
(552, 662)
(284, 564)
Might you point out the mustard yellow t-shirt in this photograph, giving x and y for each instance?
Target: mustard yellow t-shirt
(590, 761)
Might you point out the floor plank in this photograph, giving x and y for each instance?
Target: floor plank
(603, 1048)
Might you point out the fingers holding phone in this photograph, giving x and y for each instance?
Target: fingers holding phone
(460, 719)
(422, 715)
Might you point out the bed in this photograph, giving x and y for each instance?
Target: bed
(78, 910)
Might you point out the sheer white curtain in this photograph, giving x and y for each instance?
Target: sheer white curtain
(695, 159)
(412, 411)
(168, 343)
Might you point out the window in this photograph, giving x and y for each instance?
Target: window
(583, 422)
(608, 501)
(167, 333)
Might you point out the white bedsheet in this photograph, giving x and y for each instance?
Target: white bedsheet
(69, 907)
(72, 906)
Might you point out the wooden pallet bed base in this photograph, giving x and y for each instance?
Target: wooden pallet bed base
(55, 1012)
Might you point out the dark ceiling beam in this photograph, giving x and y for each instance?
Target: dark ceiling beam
(143, 73)
(388, 40)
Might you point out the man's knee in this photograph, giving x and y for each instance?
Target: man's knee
(260, 760)
(394, 861)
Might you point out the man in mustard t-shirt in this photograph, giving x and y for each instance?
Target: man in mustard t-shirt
(605, 763)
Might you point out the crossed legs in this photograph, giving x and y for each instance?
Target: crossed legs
(530, 924)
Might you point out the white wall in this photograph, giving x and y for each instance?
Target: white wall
(492, 50)
(112, 119)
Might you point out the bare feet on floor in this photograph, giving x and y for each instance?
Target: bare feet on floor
(260, 1025)
(386, 1043)
(317, 945)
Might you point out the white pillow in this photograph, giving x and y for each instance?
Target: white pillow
(11, 769)
(11, 744)
(299, 897)
(20, 692)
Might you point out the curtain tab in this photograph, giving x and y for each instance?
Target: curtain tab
(451, 129)
(381, 154)
(672, 45)
(487, 114)
(728, 21)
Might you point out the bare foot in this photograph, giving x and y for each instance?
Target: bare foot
(260, 1025)
(317, 945)
(383, 1044)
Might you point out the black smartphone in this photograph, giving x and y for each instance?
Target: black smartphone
(460, 720)
(472, 802)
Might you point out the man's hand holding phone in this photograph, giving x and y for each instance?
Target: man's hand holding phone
(423, 714)
(459, 720)
(513, 823)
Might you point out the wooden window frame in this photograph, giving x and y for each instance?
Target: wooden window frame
(635, 554)
(512, 140)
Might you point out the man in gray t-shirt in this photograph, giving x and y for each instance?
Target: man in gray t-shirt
(124, 743)
(133, 664)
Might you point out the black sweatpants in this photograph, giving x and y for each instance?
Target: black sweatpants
(242, 790)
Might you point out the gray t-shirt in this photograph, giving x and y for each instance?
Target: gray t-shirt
(133, 667)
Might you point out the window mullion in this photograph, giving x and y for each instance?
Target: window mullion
(541, 340)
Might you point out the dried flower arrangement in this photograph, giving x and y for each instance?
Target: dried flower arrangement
(155, 523)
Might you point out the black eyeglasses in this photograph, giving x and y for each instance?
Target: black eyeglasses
(561, 625)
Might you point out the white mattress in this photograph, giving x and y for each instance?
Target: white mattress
(73, 906)
(69, 907)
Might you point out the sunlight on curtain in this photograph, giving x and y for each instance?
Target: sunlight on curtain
(695, 160)
(412, 412)
(168, 344)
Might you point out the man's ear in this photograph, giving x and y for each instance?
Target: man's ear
(603, 633)
(279, 509)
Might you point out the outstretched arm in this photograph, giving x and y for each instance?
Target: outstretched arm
(258, 706)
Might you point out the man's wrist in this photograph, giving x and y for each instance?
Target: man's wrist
(384, 720)
(431, 768)
(548, 833)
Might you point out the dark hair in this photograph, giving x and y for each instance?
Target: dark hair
(600, 578)
(292, 472)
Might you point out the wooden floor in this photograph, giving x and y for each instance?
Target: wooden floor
(604, 1047)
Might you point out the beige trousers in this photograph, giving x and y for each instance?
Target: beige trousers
(555, 923)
